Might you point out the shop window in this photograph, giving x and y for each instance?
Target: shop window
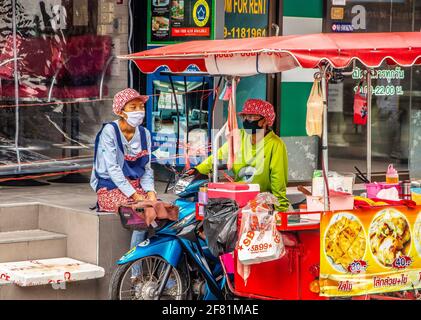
(189, 116)
(66, 76)
(395, 91)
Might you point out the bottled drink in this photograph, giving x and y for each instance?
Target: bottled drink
(392, 176)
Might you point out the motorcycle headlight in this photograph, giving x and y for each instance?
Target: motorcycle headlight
(182, 222)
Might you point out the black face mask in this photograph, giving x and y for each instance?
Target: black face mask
(251, 125)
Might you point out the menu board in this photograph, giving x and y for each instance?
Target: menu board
(370, 251)
(180, 20)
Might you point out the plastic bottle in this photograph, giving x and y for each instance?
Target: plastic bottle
(392, 176)
(202, 201)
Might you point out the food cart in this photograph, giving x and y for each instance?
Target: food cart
(362, 252)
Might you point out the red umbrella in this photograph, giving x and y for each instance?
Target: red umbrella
(276, 54)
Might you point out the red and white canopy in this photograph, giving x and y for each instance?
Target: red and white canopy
(276, 54)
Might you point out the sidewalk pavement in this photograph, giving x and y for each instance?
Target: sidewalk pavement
(78, 196)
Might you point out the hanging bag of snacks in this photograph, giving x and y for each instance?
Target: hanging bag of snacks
(360, 106)
(314, 119)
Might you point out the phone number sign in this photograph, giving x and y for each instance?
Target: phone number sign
(246, 18)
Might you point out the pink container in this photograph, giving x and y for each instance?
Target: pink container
(228, 261)
(375, 187)
(338, 201)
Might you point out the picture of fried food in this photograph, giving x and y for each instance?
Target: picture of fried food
(160, 23)
(417, 234)
(345, 241)
(390, 236)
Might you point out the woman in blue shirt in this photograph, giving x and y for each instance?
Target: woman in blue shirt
(122, 161)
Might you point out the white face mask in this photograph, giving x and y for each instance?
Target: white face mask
(135, 118)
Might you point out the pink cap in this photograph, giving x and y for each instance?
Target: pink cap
(125, 96)
(260, 107)
(391, 170)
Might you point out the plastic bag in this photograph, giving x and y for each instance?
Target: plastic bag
(259, 241)
(220, 225)
(314, 119)
(360, 107)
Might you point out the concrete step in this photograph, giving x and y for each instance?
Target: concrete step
(49, 271)
(31, 244)
(22, 216)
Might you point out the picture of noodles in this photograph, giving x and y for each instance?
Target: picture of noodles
(390, 236)
(345, 241)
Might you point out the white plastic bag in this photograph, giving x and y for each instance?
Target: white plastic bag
(259, 240)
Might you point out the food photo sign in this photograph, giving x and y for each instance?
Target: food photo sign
(370, 251)
(172, 21)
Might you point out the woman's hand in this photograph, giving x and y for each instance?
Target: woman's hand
(138, 197)
(191, 172)
(152, 196)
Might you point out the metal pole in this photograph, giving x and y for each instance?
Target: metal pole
(201, 103)
(15, 58)
(186, 138)
(215, 147)
(178, 118)
(369, 92)
(323, 71)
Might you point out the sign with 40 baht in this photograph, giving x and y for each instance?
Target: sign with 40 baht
(370, 251)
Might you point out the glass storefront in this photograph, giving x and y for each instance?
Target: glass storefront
(188, 116)
(395, 90)
(52, 107)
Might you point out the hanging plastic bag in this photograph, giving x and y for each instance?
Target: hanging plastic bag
(232, 132)
(259, 240)
(314, 120)
(360, 107)
(220, 225)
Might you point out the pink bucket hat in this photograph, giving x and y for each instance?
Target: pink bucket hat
(260, 107)
(125, 96)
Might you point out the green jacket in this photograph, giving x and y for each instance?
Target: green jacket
(265, 163)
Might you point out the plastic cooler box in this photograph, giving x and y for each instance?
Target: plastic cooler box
(240, 192)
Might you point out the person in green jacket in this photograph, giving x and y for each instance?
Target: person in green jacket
(262, 158)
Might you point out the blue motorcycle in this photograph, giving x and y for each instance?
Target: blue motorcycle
(174, 263)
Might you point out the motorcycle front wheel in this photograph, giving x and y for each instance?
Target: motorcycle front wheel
(141, 279)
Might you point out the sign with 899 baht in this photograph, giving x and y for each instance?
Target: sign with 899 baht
(369, 251)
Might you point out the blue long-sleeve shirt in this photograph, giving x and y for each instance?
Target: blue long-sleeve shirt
(110, 160)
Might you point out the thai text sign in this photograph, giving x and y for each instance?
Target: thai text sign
(370, 251)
